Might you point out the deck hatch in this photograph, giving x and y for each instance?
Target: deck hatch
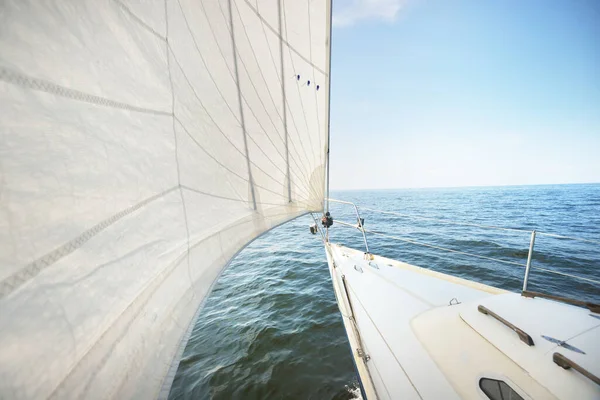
(498, 390)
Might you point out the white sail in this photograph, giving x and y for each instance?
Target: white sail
(143, 144)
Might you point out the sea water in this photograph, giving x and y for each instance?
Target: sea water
(271, 328)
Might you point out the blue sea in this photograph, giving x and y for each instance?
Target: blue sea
(271, 327)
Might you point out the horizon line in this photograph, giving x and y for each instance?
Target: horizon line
(468, 186)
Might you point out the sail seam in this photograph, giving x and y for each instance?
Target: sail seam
(140, 21)
(309, 186)
(284, 118)
(183, 206)
(286, 103)
(223, 97)
(285, 127)
(223, 165)
(32, 269)
(241, 106)
(42, 85)
(228, 198)
(281, 37)
(312, 147)
(218, 127)
(265, 83)
(321, 161)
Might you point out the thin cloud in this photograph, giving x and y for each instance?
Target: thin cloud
(349, 12)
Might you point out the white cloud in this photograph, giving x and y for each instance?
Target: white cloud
(348, 12)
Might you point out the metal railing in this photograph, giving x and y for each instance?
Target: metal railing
(528, 266)
(359, 226)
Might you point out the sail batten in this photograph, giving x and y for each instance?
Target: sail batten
(142, 146)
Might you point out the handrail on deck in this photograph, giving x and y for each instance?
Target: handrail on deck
(524, 336)
(528, 266)
(360, 226)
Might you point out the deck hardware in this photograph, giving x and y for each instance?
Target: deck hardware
(565, 363)
(453, 301)
(358, 268)
(360, 227)
(327, 220)
(595, 308)
(563, 344)
(529, 255)
(373, 264)
(363, 355)
(525, 338)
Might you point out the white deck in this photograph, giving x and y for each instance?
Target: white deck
(420, 347)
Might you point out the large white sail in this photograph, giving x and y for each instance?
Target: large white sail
(143, 144)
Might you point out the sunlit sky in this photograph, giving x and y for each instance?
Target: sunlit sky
(437, 93)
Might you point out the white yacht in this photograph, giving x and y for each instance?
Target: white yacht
(143, 144)
(420, 334)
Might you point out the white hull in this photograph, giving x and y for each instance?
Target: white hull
(419, 334)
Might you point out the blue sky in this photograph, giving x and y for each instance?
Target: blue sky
(465, 93)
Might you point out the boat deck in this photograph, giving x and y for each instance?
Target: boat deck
(420, 334)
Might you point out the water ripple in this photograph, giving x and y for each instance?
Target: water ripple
(271, 327)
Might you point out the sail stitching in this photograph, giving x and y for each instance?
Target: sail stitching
(42, 85)
(271, 97)
(240, 105)
(223, 97)
(282, 83)
(297, 86)
(217, 126)
(228, 198)
(288, 45)
(314, 91)
(307, 179)
(223, 165)
(32, 269)
(183, 206)
(140, 21)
